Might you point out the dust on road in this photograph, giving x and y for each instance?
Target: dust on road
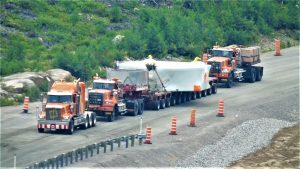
(283, 152)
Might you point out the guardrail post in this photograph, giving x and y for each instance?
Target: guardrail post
(35, 165)
(104, 146)
(81, 154)
(52, 162)
(71, 156)
(86, 152)
(132, 137)
(46, 164)
(41, 165)
(66, 158)
(76, 155)
(98, 148)
(119, 142)
(126, 140)
(62, 160)
(111, 145)
(92, 149)
(56, 162)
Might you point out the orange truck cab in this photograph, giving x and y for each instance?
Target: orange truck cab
(105, 98)
(63, 108)
(228, 65)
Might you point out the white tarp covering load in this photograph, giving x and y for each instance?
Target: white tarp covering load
(176, 76)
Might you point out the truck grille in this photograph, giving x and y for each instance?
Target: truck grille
(215, 67)
(53, 114)
(96, 98)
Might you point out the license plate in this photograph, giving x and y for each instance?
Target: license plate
(107, 113)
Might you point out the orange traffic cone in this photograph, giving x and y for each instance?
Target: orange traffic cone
(148, 136)
(193, 118)
(221, 108)
(277, 47)
(173, 127)
(26, 104)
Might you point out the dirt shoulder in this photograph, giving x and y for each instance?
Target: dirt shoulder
(283, 152)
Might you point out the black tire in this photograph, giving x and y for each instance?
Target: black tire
(94, 120)
(112, 117)
(86, 123)
(168, 102)
(258, 75)
(71, 127)
(229, 82)
(178, 100)
(252, 75)
(188, 97)
(173, 101)
(208, 91)
(193, 97)
(198, 95)
(135, 108)
(162, 103)
(214, 89)
(203, 93)
(156, 105)
(183, 98)
(141, 108)
(41, 130)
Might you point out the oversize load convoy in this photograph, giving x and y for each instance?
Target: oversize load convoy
(148, 84)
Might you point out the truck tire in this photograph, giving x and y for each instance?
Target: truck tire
(162, 103)
(203, 93)
(111, 118)
(229, 82)
(214, 89)
(173, 101)
(193, 96)
(141, 108)
(70, 131)
(168, 102)
(188, 97)
(258, 75)
(198, 95)
(252, 75)
(183, 98)
(86, 123)
(94, 120)
(41, 130)
(178, 99)
(156, 105)
(208, 91)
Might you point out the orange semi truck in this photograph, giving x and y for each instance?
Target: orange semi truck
(235, 63)
(63, 108)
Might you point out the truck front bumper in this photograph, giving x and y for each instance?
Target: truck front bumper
(101, 110)
(53, 125)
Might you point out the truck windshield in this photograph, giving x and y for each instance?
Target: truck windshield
(222, 53)
(59, 99)
(108, 86)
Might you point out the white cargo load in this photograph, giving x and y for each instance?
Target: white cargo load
(176, 76)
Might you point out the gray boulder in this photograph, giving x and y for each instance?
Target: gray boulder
(58, 74)
(37, 77)
(17, 85)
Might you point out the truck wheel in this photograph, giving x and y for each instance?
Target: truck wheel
(94, 120)
(258, 75)
(229, 82)
(188, 97)
(112, 116)
(208, 91)
(173, 101)
(214, 89)
(168, 102)
(183, 98)
(86, 124)
(178, 99)
(162, 103)
(71, 127)
(141, 108)
(41, 130)
(203, 93)
(135, 108)
(156, 105)
(193, 96)
(198, 95)
(252, 75)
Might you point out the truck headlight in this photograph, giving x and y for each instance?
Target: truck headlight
(225, 71)
(42, 115)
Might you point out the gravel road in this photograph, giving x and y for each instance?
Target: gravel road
(276, 97)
